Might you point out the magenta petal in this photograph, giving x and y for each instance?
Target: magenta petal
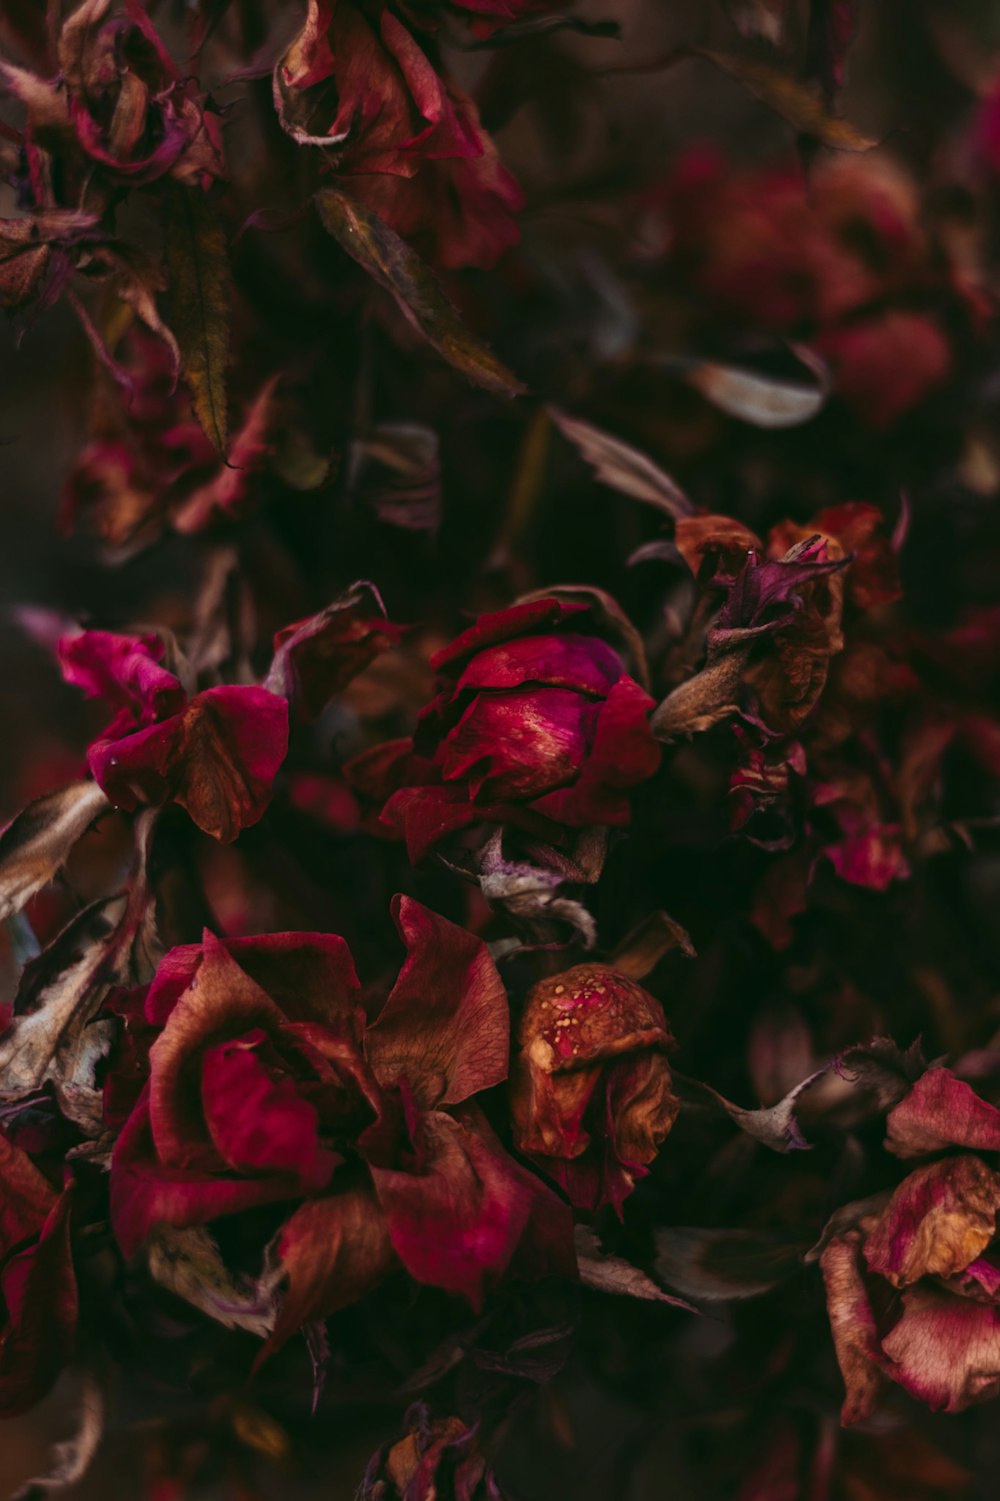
(145, 1193)
(942, 1111)
(520, 744)
(500, 625)
(123, 670)
(309, 976)
(257, 1117)
(945, 1350)
(458, 1220)
(623, 754)
(584, 663)
(445, 1026)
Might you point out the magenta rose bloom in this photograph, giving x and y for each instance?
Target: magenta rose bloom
(215, 753)
(913, 1287)
(265, 1086)
(38, 1297)
(591, 1093)
(537, 724)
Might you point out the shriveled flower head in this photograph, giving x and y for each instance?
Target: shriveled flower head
(264, 1086)
(537, 724)
(913, 1287)
(591, 1091)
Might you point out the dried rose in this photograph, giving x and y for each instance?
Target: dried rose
(590, 1089)
(216, 753)
(265, 1086)
(537, 724)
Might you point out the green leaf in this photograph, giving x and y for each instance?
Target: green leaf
(198, 271)
(398, 268)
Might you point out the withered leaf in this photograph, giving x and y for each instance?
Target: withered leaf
(38, 841)
(72, 1458)
(803, 108)
(53, 1035)
(623, 467)
(188, 1262)
(608, 1273)
(723, 1265)
(198, 268)
(775, 1126)
(398, 268)
(763, 400)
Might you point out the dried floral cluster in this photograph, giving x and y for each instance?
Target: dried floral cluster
(475, 772)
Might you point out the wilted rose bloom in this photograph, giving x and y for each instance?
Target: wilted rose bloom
(215, 753)
(435, 1458)
(38, 1296)
(590, 1088)
(537, 725)
(121, 99)
(913, 1288)
(356, 81)
(265, 1086)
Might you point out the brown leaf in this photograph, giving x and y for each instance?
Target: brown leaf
(198, 268)
(622, 467)
(643, 948)
(188, 1263)
(803, 109)
(613, 1274)
(763, 400)
(398, 268)
(72, 1458)
(38, 841)
(53, 1035)
(723, 1265)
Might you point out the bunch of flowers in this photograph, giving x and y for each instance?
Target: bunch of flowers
(496, 895)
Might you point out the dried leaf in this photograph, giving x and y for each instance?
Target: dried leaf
(622, 467)
(53, 1035)
(763, 400)
(38, 841)
(723, 1265)
(72, 1458)
(803, 109)
(198, 267)
(188, 1262)
(643, 948)
(613, 1274)
(775, 1126)
(398, 268)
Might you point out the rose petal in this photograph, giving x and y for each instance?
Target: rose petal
(445, 1026)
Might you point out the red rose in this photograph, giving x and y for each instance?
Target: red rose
(265, 1086)
(590, 1088)
(38, 1297)
(537, 724)
(216, 753)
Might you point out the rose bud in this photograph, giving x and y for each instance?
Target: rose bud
(590, 1089)
(537, 724)
(38, 1296)
(435, 1457)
